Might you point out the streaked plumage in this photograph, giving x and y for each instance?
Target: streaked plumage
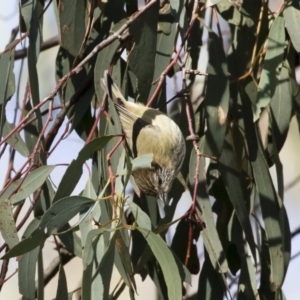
(149, 131)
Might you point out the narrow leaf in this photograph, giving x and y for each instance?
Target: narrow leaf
(30, 184)
(62, 211)
(7, 224)
(62, 288)
(142, 57)
(273, 59)
(27, 270)
(291, 15)
(141, 218)
(166, 261)
(72, 24)
(217, 96)
(74, 171)
(15, 141)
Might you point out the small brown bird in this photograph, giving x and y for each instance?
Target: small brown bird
(149, 131)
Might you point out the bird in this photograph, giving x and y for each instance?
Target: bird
(149, 131)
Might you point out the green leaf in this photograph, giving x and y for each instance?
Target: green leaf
(281, 108)
(209, 234)
(166, 261)
(72, 24)
(106, 267)
(15, 140)
(268, 200)
(71, 240)
(141, 218)
(88, 250)
(273, 60)
(28, 244)
(104, 59)
(86, 225)
(7, 78)
(29, 185)
(210, 285)
(32, 15)
(291, 14)
(247, 279)
(27, 269)
(123, 259)
(142, 57)
(27, 264)
(217, 96)
(74, 170)
(46, 199)
(62, 288)
(270, 211)
(40, 274)
(62, 211)
(236, 189)
(92, 285)
(7, 224)
(164, 50)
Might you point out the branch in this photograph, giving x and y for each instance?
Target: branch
(52, 42)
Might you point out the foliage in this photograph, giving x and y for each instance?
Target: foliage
(228, 155)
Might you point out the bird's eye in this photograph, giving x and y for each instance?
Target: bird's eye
(159, 181)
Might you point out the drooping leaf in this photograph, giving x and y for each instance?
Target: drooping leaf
(237, 190)
(281, 109)
(166, 261)
(15, 141)
(210, 285)
(209, 233)
(62, 288)
(273, 59)
(268, 200)
(27, 268)
(141, 218)
(291, 14)
(7, 224)
(217, 97)
(62, 211)
(7, 78)
(40, 274)
(27, 264)
(29, 185)
(104, 59)
(74, 170)
(141, 57)
(32, 15)
(72, 21)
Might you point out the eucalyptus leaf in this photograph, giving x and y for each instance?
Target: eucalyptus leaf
(72, 24)
(144, 33)
(166, 261)
(141, 218)
(26, 186)
(62, 288)
(291, 14)
(7, 224)
(272, 62)
(74, 170)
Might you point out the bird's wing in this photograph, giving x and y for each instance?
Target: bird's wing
(147, 140)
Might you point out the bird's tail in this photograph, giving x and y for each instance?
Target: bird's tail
(111, 89)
